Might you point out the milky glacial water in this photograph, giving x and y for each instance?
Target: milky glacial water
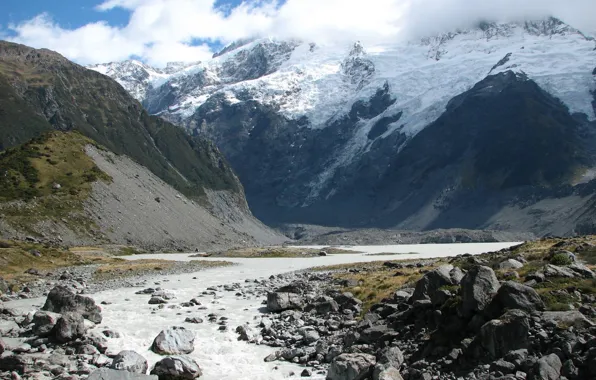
(220, 354)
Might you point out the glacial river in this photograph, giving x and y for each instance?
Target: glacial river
(220, 355)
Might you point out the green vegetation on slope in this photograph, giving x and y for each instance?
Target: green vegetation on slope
(70, 97)
(53, 174)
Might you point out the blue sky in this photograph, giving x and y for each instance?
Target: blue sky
(159, 31)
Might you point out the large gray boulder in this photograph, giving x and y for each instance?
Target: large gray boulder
(510, 264)
(176, 368)
(351, 367)
(61, 300)
(427, 288)
(567, 318)
(130, 361)
(547, 368)
(112, 374)
(44, 322)
(277, 301)
(174, 341)
(581, 270)
(513, 295)
(555, 271)
(381, 372)
(478, 287)
(509, 332)
(69, 327)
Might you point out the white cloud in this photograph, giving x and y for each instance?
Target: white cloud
(163, 30)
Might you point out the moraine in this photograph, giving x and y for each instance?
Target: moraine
(220, 354)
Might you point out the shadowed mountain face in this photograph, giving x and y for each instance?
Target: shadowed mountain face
(41, 90)
(504, 143)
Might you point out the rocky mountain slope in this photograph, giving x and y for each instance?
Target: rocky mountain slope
(483, 128)
(47, 192)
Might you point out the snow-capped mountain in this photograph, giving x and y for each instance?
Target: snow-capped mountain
(304, 123)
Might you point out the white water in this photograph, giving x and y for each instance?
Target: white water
(220, 355)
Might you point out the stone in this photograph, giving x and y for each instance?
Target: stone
(174, 341)
(391, 356)
(44, 322)
(347, 301)
(386, 373)
(157, 301)
(431, 282)
(510, 264)
(309, 334)
(306, 373)
(296, 287)
(87, 349)
(8, 327)
(567, 318)
(166, 295)
(547, 368)
(351, 367)
(195, 320)
(130, 361)
(581, 270)
(509, 332)
(513, 295)
(112, 374)
(550, 270)
(176, 368)
(502, 366)
(478, 288)
(69, 327)
(280, 301)
(248, 334)
(61, 300)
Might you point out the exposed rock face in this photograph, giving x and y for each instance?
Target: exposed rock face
(130, 361)
(69, 327)
(509, 332)
(547, 368)
(111, 374)
(277, 302)
(478, 288)
(513, 295)
(351, 367)
(44, 322)
(61, 300)
(428, 287)
(176, 368)
(174, 341)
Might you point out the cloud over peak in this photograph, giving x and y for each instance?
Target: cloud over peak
(160, 31)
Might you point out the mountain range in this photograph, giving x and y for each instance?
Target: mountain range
(486, 128)
(83, 163)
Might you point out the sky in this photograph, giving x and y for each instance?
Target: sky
(161, 31)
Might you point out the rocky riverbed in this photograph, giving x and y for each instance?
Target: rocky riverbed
(519, 313)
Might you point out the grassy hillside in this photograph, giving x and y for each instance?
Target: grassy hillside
(48, 178)
(41, 90)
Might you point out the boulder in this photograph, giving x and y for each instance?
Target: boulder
(431, 282)
(296, 287)
(550, 270)
(44, 322)
(157, 301)
(351, 367)
(547, 368)
(567, 319)
(248, 334)
(513, 295)
(309, 334)
(61, 300)
(69, 327)
(130, 361)
(166, 295)
(347, 301)
(277, 302)
(478, 288)
(391, 357)
(581, 270)
(381, 372)
(510, 264)
(112, 374)
(509, 332)
(176, 368)
(174, 341)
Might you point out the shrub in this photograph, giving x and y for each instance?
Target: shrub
(560, 259)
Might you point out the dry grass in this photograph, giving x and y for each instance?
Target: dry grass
(375, 281)
(124, 268)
